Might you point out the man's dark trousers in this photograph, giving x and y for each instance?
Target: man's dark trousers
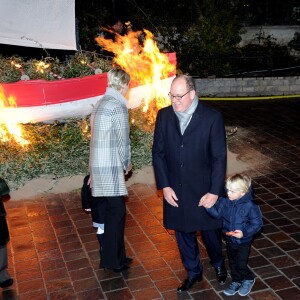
(189, 251)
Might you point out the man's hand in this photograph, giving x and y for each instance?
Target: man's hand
(208, 200)
(170, 196)
(89, 182)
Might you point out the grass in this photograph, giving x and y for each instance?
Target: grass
(61, 149)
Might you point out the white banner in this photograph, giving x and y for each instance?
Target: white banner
(48, 24)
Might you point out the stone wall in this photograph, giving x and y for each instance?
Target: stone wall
(239, 87)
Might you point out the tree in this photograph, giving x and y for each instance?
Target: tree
(216, 31)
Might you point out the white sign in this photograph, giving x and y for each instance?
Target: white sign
(38, 23)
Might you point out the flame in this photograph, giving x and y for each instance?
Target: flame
(145, 64)
(10, 128)
(18, 66)
(41, 66)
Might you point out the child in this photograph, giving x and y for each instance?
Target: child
(242, 219)
(97, 209)
(5, 280)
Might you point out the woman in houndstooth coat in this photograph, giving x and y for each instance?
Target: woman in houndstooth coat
(110, 161)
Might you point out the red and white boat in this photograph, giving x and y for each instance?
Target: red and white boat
(46, 101)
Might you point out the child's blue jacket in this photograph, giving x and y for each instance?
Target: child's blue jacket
(242, 214)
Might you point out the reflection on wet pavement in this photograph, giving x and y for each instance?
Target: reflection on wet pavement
(54, 253)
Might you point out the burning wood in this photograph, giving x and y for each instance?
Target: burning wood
(145, 64)
(10, 128)
(150, 72)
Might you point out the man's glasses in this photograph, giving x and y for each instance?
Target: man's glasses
(177, 97)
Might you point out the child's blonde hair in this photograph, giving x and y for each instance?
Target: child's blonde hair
(238, 182)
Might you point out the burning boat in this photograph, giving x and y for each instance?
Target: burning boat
(32, 101)
(47, 101)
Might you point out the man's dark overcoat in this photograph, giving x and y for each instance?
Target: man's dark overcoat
(191, 164)
(4, 234)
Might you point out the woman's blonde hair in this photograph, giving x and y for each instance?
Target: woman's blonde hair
(238, 182)
(117, 79)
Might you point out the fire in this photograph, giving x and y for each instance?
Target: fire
(10, 128)
(146, 65)
(41, 66)
(18, 66)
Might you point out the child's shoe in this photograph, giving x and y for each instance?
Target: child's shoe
(246, 287)
(233, 289)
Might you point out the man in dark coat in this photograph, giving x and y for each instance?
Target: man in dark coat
(5, 279)
(189, 159)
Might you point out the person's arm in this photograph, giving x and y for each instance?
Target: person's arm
(159, 155)
(160, 165)
(208, 200)
(218, 150)
(216, 210)
(254, 223)
(121, 128)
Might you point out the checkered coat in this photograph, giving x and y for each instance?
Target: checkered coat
(110, 145)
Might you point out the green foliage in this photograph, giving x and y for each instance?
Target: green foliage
(141, 145)
(8, 73)
(91, 15)
(264, 53)
(216, 30)
(295, 42)
(141, 136)
(80, 64)
(60, 149)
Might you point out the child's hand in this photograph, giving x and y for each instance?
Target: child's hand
(238, 234)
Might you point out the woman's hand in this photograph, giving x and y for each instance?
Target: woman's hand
(129, 168)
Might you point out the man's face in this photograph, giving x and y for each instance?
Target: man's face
(181, 97)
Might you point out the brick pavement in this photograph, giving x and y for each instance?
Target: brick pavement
(53, 253)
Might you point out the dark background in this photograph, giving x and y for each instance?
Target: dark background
(208, 45)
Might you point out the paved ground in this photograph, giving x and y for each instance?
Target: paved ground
(53, 253)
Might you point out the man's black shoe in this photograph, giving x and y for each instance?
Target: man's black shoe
(128, 260)
(188, 283)
(221, 274)
(6, 283)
